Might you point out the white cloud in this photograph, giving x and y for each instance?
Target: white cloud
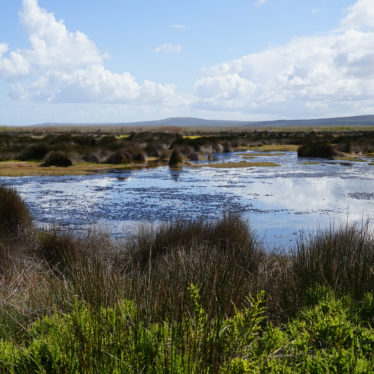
(331, 74)
(168, 48)
(360, 15)
(67, 66)
(179, 27)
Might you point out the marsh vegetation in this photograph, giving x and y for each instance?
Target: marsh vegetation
(81, 149)
(184, 297)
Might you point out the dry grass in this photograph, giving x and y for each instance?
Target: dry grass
(276, 148)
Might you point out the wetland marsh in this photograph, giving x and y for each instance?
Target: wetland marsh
(281, 195)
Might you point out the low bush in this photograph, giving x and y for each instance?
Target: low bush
(139, 156)
(153, 150)
(118, 157)
(85, 140)
(322, 150)
(56, 159)
(34, 152)
(91, 157)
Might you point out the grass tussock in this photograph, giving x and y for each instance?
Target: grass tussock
(184, 297)
(14, 214)
(176, 158)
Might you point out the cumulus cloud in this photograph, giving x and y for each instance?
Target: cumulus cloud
(168, 48)
(323, 75)
(360, 15)
(67, 66)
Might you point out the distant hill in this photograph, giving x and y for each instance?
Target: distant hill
(325, 122)
(367, 120)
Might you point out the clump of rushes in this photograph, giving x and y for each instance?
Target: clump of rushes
(175, 157)
(341, 259)
(14, 213)
(55, 158)
(228, 231)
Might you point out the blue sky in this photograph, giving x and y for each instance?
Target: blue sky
(118, 60)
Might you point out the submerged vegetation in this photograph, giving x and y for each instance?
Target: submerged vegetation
(184, 297)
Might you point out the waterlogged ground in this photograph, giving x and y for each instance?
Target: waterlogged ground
(300, 195)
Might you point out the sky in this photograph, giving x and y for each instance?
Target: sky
(120, 60)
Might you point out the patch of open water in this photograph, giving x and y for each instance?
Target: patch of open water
(279, 202)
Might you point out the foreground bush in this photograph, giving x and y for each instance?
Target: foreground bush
(324, 338)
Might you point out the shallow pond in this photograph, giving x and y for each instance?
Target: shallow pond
(279, 202)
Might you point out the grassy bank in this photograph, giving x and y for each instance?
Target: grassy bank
(185, 297)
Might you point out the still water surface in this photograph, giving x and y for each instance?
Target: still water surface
(279, 202)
